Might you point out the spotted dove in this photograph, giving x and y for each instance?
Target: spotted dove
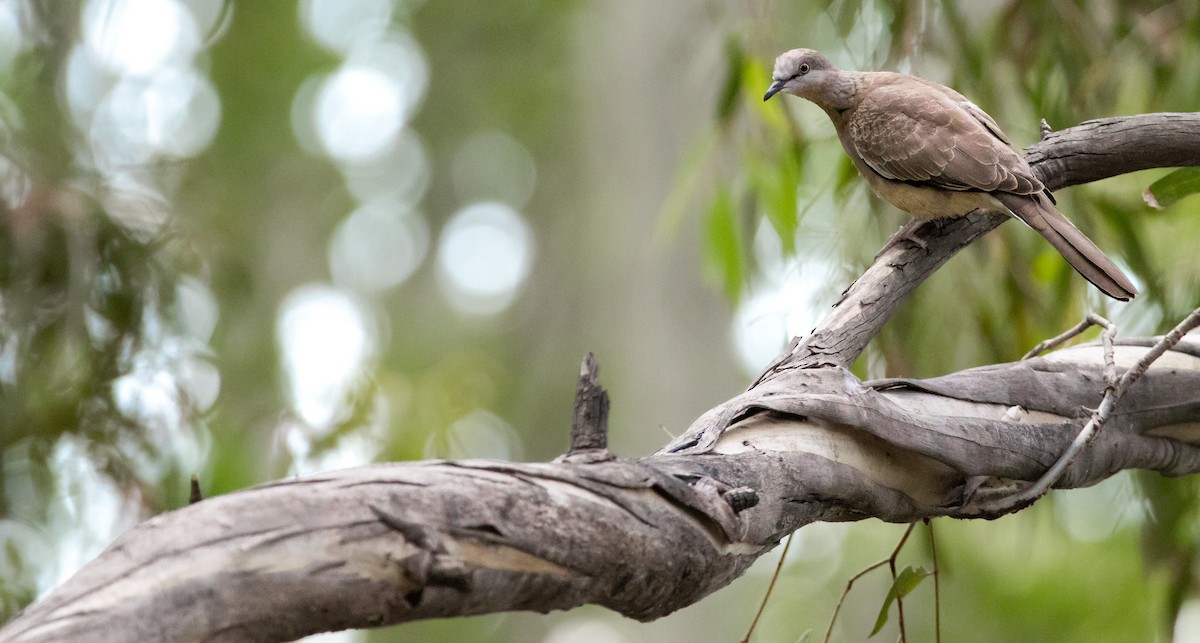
(931, 152)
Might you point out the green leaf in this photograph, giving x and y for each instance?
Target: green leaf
(906, 581)
(772, 113)
(694, 166)
(725, 258)
(775, 182)
(735, 63)
(1166, 191)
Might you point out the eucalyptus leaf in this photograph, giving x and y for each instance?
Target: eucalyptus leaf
(735, 65)
(1164, 192)
(906, 581)
(725, 258)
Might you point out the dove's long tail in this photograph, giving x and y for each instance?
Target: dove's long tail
(1084, 256)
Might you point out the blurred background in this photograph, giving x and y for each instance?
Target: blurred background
(250, 240)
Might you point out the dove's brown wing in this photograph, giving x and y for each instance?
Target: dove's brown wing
(908, 130)
(921, 133)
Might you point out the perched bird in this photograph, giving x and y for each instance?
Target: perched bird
(931, 152)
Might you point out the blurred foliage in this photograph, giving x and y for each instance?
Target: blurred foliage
(98, 264)
(88, 292)
(165, 280)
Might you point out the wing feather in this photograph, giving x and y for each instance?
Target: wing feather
(909, 130)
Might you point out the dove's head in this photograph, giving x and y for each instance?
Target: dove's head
(801, 72)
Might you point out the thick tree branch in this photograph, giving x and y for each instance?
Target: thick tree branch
(393, 543)
(1106, 147)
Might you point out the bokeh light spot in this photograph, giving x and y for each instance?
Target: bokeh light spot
(87, 497)
(197, 308)
(338, 24)
(774, 312)
(377, 247)
(325, 337)
(174, 113)
(485, 254)
(358, 113)
(137, 37)
(785, 301)
(1187, 621)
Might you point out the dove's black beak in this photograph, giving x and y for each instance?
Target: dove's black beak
(775, 88)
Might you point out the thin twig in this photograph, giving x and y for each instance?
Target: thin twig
(937, 588)
(892, 566)
(1112, 395)
(770, 587)
(890, 560)
(1165, 344)
(849, 585)
(1110, 357)
(1054, 342)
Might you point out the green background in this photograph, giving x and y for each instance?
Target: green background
(667, 198)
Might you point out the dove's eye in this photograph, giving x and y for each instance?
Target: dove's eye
(804, 68)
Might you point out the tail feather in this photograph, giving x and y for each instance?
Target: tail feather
(1084, 256)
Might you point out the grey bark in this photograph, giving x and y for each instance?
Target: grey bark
(391, 543)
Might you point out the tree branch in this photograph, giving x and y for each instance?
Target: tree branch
(1106, 147)
(392, 543)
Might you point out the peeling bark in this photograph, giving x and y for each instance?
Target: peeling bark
(809, 442)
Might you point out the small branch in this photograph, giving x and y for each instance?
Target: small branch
(845, 592)
(892, 568)
(1114, 389)
(937, 587)
(891, 562)
(195, 491)
(871, 300)
(1107, 338)
(1092, 319)
(1168, 342)
(589, 426)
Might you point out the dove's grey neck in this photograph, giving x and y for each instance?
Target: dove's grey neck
(834, 91)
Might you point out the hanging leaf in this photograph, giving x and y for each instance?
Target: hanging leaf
(735, 62)
(1178, 184)
(725, 258)
(906, 581)
(772, 113)
(774, 183)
